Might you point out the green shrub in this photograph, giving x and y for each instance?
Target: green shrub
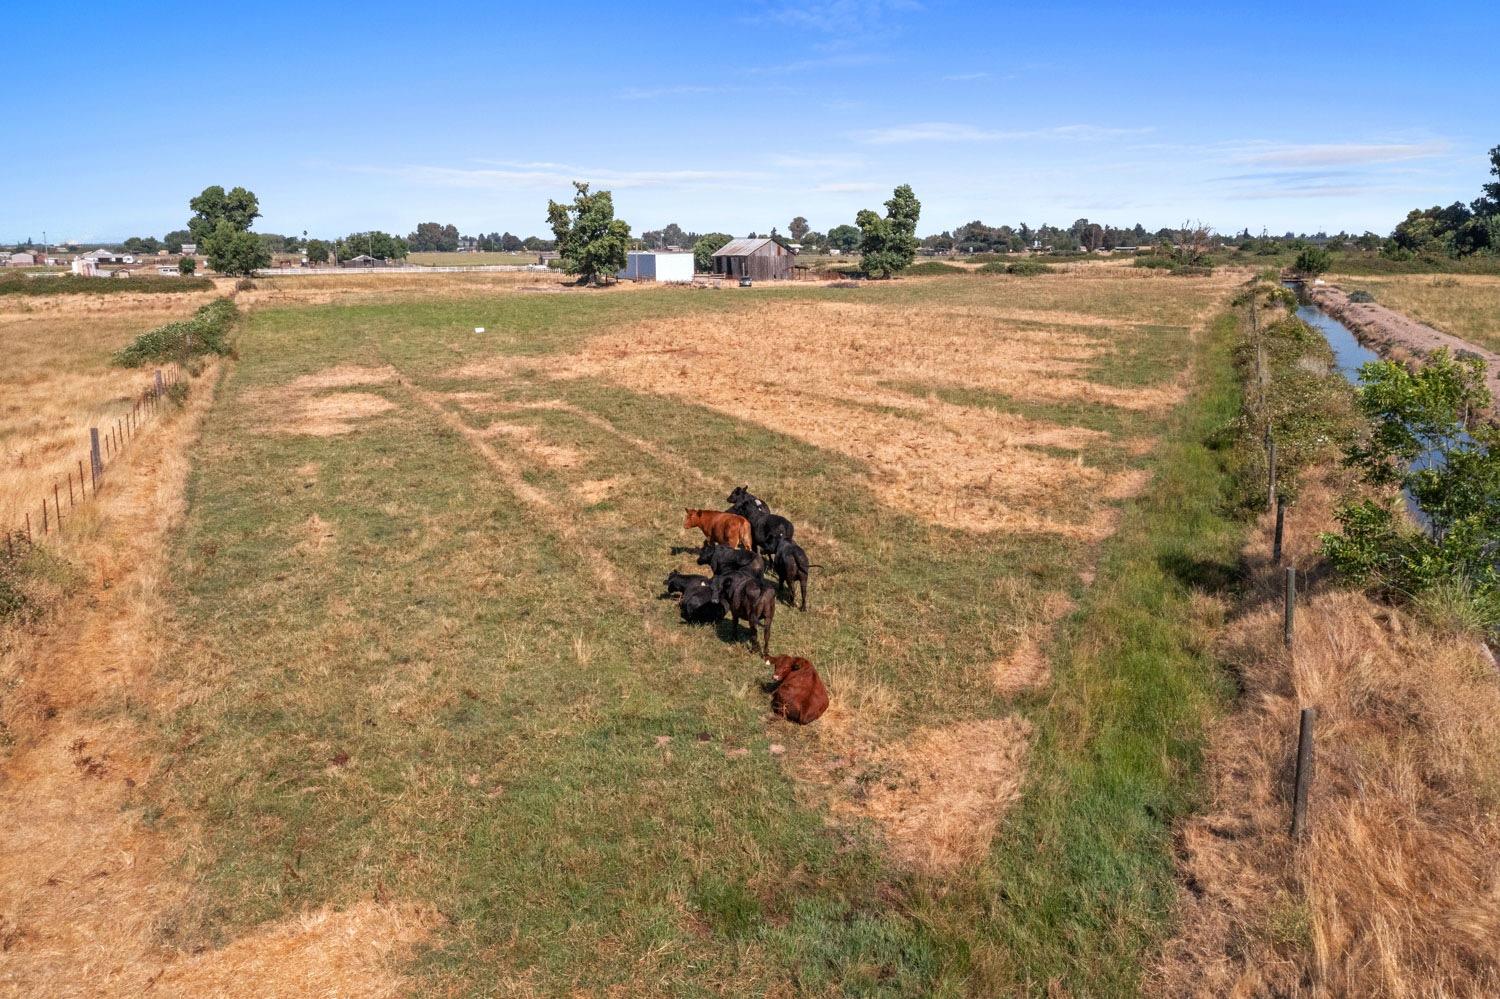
(1313, 260)
(1153, 261)
(928, 267)
(1020, 268)
(73, 284)
(207, 332)
(1359, 295)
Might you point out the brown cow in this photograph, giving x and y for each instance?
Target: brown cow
(799, 694)
(721, 528)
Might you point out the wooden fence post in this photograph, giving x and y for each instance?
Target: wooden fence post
(1270, 469)
(1280, 524)
(158, 383)
(1291, 605)
(96, 461)
(1304, 771)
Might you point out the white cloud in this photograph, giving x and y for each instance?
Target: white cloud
(840, 17)
(960, 77)
(846, 187)
(1341, 154)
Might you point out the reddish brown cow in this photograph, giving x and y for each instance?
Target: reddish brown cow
(800, 695)
(721, 528)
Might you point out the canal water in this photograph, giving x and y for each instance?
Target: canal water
(1348, 355)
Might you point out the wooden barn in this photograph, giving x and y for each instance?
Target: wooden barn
(757, 259)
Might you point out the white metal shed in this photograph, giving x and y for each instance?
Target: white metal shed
(653, 265)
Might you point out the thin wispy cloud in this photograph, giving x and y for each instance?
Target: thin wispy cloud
(966, 77)
(947, 131)
(1341, 154)
(509, 176)
(824, 163)
(652, 93)
(847, 187)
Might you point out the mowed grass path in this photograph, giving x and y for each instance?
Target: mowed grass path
(409, 683)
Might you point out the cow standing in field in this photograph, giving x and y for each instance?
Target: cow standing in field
(792, 568)
(720, 528)
(766, 528)
(747, 596)
(799, 694)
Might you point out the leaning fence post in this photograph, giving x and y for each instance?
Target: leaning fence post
(1280, 523)
(158, 383)
(1304, 771)
(57, 504)
(96, 463)
(1291, 605)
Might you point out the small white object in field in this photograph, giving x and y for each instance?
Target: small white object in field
(479, 329)
(1319, 281)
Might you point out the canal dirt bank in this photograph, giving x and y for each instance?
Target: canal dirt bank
(1395, 336)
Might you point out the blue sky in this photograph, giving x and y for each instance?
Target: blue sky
(736, 117)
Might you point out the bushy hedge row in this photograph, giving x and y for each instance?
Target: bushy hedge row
(207, 332)
(73, 284)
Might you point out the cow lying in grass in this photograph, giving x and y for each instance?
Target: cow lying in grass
(700, 602)
(746, 595)
(798, 693)
(677, 582)
(720, 528)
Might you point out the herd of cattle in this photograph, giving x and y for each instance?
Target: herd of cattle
(740, 544)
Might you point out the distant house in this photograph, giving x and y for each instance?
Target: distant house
(547, 255)
(85, 267)
(468, 244)
(102, 256)
(655, 265)
(761, 259)
(166, 271)
(20, 259)
(189, 249)
(364, 260)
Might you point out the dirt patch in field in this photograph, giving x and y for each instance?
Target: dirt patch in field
(319, 404)
(597, 490)
(936, 797)
(318, 535)
(529, 440)
(1027, 667)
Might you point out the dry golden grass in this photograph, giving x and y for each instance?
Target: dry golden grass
(818, 371)
(83, 884)
(1465, 305)
(1394, 892)
(57, 382)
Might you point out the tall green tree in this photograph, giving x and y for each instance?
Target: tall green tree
(799, 229)
(844, 238)
(317, 251)
(590, 240)
(888, 245)
(434, 237)
(173, 240)
(238, 207)
(235, 251)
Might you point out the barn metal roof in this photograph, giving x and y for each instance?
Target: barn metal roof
(742, 247)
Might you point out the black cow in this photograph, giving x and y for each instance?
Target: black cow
(677, 582)
(700, 602)
(766, 528)
(792, 568)
(721, 559)
(747, 596)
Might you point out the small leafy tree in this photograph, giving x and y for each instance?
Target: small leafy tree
(186, 266)
(317, 251)
(706, 247)
(889, 245)
(591, 241)
(1313, 260)
(1422, 442)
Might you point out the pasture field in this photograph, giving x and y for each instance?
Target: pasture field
(1464, 305)
(426, 662)
(438, 259)
(57, 381)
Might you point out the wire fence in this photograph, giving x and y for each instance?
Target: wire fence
(104, 447)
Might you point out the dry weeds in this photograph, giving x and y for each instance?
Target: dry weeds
(298, 408)
(84, 886)
(1395, 890)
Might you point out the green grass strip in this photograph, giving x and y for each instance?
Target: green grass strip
(1079, 887)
